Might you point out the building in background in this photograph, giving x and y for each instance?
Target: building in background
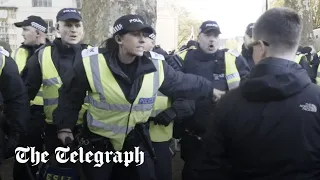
(167, 26)
(12, 11)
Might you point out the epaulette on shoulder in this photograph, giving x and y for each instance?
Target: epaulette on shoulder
(4, 52)
(156, 56)
(90, 52)
(235, 53)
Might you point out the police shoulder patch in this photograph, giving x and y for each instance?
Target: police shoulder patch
(4, 52)
(90, 52)
(156, 56)
(235, 53)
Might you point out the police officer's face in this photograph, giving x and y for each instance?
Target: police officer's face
(133, 43)
(30, 35)
(209, 41)
(247, 40)
(149, 44)
(71, 31)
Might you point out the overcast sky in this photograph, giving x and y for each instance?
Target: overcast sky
(232, 15)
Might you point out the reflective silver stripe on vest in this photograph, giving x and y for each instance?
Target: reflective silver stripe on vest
(40, 55)
(1, 60)
(51, 81)
(154, 113)
(15, 54)
(233, 85)
(160, 94)
(120, 107)
(94, 65)
(86, 99)
(109, 127)
(50, 102)
(233, 75)
(40, 94)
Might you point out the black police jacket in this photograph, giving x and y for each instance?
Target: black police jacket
(63, 59)
(266, 129)
(211, 67)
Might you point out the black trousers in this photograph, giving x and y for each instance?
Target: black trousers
(36, 125)
(163, 165)
(118, 171)
(192, 151)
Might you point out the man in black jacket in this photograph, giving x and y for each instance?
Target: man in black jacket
(268, 128)
(219, 67)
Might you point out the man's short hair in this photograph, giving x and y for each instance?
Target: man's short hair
(279, 27)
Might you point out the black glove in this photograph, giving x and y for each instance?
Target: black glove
(165, 117)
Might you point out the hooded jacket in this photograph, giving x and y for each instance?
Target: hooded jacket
(268, 128)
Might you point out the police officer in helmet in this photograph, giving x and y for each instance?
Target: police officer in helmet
(122, 81)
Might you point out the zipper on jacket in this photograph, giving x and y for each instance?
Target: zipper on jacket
(128, 119)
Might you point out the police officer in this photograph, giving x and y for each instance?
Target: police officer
(122, 85)
(302, 57)
(34, 30)
(16, 104)
(161, 123)
(246, 51)
(225, 69)
(49, 66)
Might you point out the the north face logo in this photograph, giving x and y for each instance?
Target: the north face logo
(309, 107)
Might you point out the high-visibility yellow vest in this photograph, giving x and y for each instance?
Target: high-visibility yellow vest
(3, 55)
(110, 114)
(51, 83)
(159, 133)
(232, 73)
(184, 52)
(298, 58)
(318, 72)
(20, 56)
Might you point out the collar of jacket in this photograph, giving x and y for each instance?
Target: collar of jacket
(246, 52)
(200, 55)
(31, 49)
(64, 49)
(145, 65)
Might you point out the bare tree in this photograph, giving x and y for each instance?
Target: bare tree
(303, 8)
(308, 11)
(99, 16)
